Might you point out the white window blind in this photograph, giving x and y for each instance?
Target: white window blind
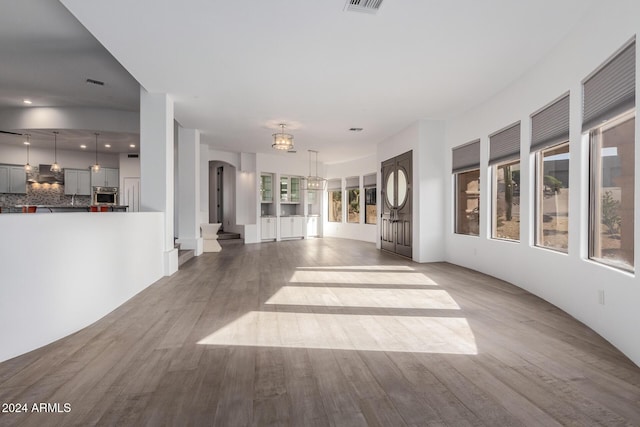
(334, 184)
(369, 180)
(352, 182)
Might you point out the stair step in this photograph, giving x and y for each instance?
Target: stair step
(228, 236)
(185, 255)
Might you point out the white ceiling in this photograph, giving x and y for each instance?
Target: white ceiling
(237, 69)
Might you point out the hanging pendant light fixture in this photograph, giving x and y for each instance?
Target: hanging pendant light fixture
(282, 141)
(314, 182)
(27, 166)
(55, 167)
(96, 167)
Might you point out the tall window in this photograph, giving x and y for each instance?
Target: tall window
(504, 158)
(465, 167)
(549, 143)
(370, 205)
(353, 199)
(334, 200)
(609, 121)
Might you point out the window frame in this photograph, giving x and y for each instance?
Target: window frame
(457, 190)
(594, 137)
(539, 196)
(494, 201)
(329, 206)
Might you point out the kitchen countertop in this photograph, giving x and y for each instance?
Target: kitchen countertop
(60, 208)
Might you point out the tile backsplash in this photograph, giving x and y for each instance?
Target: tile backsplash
(42, 194)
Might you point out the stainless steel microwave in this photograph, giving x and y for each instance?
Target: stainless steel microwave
(105, 195)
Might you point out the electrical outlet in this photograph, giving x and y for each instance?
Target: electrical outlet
(601, 296)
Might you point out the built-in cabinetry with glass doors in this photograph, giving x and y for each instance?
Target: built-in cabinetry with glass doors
(290, 189)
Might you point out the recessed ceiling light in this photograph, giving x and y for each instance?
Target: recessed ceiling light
(83, 146)
(27, 101)
(107, 145)
(27, 143)
(132, 145)
(355, 129)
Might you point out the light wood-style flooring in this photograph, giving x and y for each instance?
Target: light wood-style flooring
(327, 332)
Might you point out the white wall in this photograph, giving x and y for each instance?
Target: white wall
(362, 231)
(96, 119)
(67, 159)
(62, 272)
(570, 281)
(129, 168)
(426, 139)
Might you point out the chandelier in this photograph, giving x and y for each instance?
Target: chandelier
(282, 141)
(313, 182)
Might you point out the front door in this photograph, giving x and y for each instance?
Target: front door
(396, 215)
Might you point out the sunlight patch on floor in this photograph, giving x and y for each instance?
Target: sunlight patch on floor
(347, 277)
(450, 335)
(362, 267)
(364, 297)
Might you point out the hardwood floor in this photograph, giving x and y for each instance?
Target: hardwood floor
(327, 332)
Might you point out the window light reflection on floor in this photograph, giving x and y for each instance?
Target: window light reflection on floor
(345, 315)
(367, 297)
(362, 267)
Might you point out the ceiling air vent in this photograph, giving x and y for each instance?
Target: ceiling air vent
(133, 156)
(366, 6)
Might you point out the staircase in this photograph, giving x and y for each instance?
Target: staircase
(184, 255)
(228, 238)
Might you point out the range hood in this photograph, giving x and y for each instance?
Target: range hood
(44, 175)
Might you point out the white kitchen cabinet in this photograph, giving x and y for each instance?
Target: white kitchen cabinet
(312, 226)
(77, 181)
(13, 179)
(291, 227)
(268, 228)
(290, 189)
(105, 177)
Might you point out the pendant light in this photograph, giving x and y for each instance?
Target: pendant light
(55, 167)
(96, 167)
(314, 182)
(27, 166)
(282, 141)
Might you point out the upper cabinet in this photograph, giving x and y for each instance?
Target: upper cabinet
(290, 189)
(77, 181)
(13, 179)
(105, 177)
(266, 188)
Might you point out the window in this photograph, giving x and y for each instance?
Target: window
(612, 192)
(549, 144)
(504, 158)
(335, 200)
(609, 121)
(353, 199)
(465, 167)
(370, 205)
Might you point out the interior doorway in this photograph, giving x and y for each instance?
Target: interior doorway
(396, 226)
(220, 196)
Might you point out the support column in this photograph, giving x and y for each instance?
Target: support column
(156, 166)
(189, 189)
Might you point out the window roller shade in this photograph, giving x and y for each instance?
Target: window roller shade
(505, 145)
(334, 184)
(551, 125)
(369, 180)
(466, 157)
(611, 90)
(352, 182)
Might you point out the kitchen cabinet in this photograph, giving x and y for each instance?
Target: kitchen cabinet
(312, 226)
(266, 188)
(290, 189)
(291, 227)
(77, 181)
(105, 177)
(268, 228)
(13, 179)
